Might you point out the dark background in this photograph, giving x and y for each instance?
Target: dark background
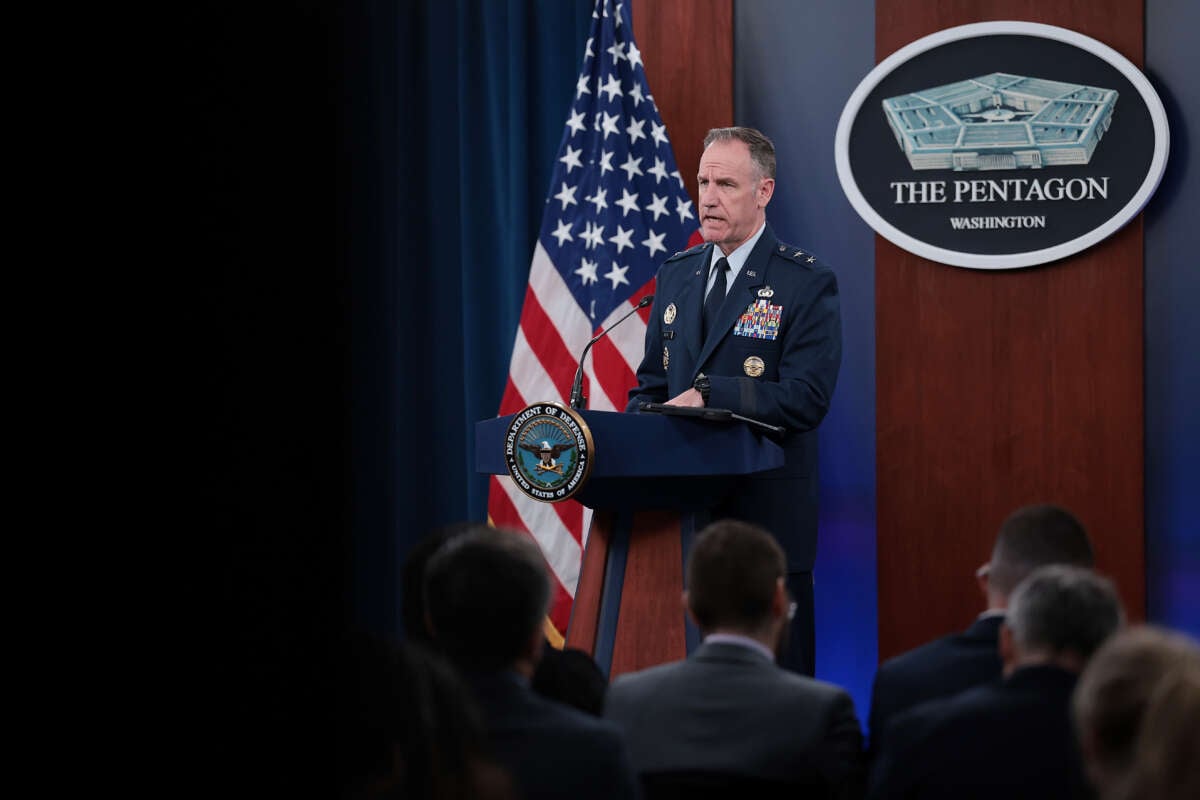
(268, 90)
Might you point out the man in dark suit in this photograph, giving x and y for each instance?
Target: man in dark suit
(729, 708)
(487, 592)
(1012, 738)
(747, 323)
(1031, 537)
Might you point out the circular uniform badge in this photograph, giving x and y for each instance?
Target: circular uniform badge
(548, 450)
(669, 314)
(753, 366)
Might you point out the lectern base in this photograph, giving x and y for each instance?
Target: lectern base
(628, 611)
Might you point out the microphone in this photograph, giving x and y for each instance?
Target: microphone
(577, 398)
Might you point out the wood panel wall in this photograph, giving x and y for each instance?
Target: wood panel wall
(996, 389)
(687, 50)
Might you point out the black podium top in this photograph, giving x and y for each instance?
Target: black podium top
(649, 461)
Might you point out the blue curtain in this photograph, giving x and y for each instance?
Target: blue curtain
(454, 111)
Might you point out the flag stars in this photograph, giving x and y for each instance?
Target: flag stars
(612, 88)
(631, 166)
(593, 236)
(635, 130)
(598, 199)
(567, 196)
(587, 271)
(679, 178)
(658, 206)
(576, 123)
(617, 275)
(657, 132)
(563, 233)
(571, 159)
(622, 240)
(628, 202)
(636, 94)
(659, 171)
(581, 87)
(684, 209)
(609, 124)
(634, 55)
(606, 157)
(654, 242)
(588, 52)
(617, 52)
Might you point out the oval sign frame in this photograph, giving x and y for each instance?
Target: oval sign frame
(1158, 161)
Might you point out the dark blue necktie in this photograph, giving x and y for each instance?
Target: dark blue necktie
(716, 296)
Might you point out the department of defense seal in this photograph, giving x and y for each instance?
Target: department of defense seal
(669, 314)
(548, 450)
(753, 366)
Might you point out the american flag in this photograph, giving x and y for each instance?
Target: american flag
(617, 207)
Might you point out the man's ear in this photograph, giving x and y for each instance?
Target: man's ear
(535, 646)
(981, 578)
(1008, 648)
(687, 608)
(780, 600)
(766, 188)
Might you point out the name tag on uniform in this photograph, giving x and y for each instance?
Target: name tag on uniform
(759, 321)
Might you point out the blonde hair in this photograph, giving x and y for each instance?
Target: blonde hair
(1136, 711)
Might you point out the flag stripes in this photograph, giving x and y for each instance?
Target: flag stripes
(615, 210)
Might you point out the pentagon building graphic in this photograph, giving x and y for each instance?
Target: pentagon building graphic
(1000, 121)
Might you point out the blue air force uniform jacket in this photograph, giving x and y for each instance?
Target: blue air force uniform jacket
(773, 355)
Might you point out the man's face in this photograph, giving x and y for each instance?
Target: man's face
(732, 195)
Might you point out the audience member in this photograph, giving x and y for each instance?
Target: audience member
(1031, 537)
(729, 709)
(1137, 713)
(486, 595)
(568, 675)
(412, 599)
(407, 728)
(572, 677)
(1012, 738)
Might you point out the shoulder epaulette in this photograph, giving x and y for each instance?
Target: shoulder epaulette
(687, 252)
(797, 255)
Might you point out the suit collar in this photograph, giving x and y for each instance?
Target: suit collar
(985, 628)
(741, 641)
(691, 300)
(1046, 676)
(730, 653)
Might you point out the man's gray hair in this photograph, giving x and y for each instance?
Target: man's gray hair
(1060, 609)
(762, 150)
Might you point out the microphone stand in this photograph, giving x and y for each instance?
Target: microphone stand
(577, 399)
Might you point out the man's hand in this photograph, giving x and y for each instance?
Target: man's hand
(690, 398)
